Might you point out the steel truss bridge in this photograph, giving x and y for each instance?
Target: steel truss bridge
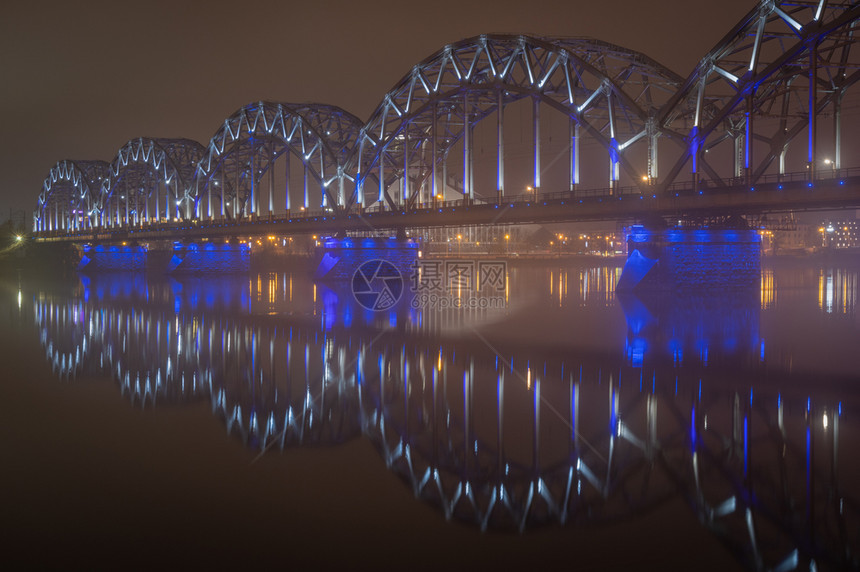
(507, 129)
(499, 446)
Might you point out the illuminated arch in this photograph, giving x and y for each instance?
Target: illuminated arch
(251, 141)
(70, 195)
(609, 93)
(149, 179)
(780, 69)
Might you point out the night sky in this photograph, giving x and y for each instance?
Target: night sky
(78, 82)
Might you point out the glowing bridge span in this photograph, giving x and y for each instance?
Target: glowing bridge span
(507, 129)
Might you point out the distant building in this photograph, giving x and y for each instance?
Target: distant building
(788, 236)
(839, 234)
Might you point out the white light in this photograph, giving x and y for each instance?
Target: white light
(824, 420)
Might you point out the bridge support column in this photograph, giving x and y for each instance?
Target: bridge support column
(536, 142)
(272, 182)
(444, 174)
(653, 136)
(167, 200)
(287, 182)
(236, 196)
(406, 190)
(323, 187)
(254, 207)
(737, 159)
(782, 162)
(748, 138)
(837, 131)
(500, 145)
(467, 147)
(434, 188)
(574, 154)
(381, 166)
(305, 184)
(813, 109)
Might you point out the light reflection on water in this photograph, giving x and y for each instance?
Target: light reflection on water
(837, 291)
(682, 400)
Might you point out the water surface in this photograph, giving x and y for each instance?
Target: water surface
(272, 418)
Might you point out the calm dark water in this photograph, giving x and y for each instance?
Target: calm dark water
(152, 421)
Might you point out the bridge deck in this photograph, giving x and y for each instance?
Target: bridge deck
(571, 206)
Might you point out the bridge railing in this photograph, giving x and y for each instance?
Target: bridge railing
(528, 198)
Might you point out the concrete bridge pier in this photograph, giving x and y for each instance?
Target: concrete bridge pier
(339, 258)
(691, 259)
(166, 258)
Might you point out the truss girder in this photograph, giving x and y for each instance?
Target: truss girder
(149, 170)
(70, 195)
(610, 92)
(771, 80)
(782, 67)
(253, 138)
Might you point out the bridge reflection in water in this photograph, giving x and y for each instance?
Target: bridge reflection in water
(501, 442)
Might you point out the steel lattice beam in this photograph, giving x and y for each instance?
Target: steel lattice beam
(781, 71)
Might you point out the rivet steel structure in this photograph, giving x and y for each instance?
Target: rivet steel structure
(496, 116)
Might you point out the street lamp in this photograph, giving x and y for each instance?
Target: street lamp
(459, 238)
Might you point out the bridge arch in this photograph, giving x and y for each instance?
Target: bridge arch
(246, 149)
(149, 181)
(70, 195)
(767, 84)
(600, 93)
